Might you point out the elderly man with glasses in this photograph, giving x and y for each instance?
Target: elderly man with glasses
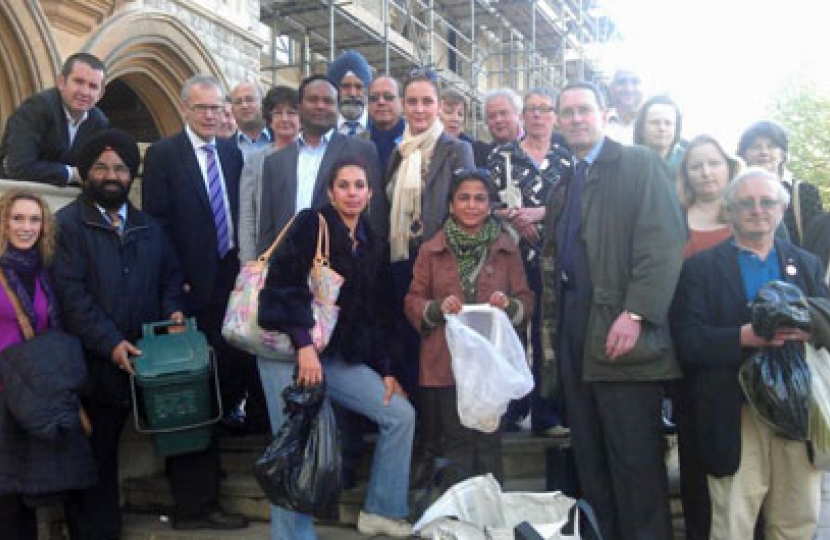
(750, 469)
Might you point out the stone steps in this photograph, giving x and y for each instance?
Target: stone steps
(523, 458)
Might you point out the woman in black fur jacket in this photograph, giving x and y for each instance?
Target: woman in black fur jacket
(356, 364)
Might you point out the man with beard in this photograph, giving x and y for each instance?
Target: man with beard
(352, 75)
(246, 106)
(115, 270)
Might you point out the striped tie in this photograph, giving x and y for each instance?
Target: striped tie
(217, 202)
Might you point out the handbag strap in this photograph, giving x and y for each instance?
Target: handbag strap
(267, 254)
(321, 257)
(22, 319)
(799, 225)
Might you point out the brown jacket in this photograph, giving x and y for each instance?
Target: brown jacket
(436, 277)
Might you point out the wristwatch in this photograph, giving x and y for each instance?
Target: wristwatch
(633, 316)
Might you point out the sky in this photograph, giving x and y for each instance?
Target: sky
(723, 61)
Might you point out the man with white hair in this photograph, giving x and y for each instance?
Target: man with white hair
(750, 469)
(503, 114)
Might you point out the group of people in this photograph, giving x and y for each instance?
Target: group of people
(623, 254)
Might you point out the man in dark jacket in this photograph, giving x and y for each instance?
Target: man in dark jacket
(750, 469)
(43, 134)
(616, 236)
(114, 270)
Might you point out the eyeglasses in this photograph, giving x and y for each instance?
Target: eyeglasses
(748, 205)
(538, 109)
(205, 109)
(582, 110)
(102, 169)
(386, 96)
(244, 99)
(288, 113)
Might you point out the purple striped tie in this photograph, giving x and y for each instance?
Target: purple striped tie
(217, 202)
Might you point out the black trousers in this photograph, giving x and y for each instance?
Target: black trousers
(617, 439)
(238, 373)
(95, 513)
(694, 491)
(17, 520)
(441, 427)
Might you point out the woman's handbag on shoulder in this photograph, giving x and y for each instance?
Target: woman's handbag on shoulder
(47, 344)
(240, 327)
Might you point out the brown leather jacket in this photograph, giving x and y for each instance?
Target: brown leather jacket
(436, 277)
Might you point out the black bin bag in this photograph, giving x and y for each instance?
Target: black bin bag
(300, 469)
(776, 380)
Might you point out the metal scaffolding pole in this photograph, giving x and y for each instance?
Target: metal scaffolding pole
(331, 30)
(385, 36)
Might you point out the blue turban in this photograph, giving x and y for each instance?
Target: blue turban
(350, 61)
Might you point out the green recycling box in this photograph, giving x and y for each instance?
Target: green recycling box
(173, 373)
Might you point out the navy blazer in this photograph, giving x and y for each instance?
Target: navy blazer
(710, 306)
(279, 186)
(35, 144)
(174, 192)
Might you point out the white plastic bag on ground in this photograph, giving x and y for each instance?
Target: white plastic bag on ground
(484, 511)
(818, 360)
(488, 363)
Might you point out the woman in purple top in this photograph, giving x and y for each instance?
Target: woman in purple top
(27, 243)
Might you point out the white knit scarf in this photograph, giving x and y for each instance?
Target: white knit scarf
(406, 197)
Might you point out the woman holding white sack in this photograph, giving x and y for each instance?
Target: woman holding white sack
(471, 260)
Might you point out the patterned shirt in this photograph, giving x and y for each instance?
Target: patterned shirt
(530, 183)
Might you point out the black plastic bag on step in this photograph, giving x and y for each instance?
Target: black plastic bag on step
(300, 470)
(776, 380)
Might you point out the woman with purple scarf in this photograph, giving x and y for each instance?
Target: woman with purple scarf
(26, 246)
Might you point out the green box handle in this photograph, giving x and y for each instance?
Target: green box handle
(149, 329)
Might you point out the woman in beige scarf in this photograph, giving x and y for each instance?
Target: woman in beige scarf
(417, 184)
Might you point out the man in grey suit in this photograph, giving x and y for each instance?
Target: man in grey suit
(294, 178)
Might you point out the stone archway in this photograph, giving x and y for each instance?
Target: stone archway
(153, 53)
(30, 60)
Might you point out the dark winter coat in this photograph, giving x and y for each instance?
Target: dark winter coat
(364, 332)
(634, 235)
(709, 308)
(43, 448)
(109, 285)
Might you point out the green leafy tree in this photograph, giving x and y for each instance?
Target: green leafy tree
(803, 108)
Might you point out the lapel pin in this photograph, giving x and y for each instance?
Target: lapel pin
(790, 269)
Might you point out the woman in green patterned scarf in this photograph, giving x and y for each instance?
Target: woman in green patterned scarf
(469, 261)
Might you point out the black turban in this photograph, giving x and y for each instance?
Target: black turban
(120, 142)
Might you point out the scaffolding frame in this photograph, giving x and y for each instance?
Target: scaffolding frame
(472, 45)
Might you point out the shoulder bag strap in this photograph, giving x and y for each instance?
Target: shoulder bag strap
(22, 319)
(799, 226)
(265, 257)
(321, 257)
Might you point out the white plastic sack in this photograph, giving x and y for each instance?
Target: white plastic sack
(483, 511)
(818, 360)
(488, 363)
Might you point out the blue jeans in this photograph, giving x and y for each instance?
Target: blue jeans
(360, 389)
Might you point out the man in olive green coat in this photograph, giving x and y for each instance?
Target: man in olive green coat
(616, 237)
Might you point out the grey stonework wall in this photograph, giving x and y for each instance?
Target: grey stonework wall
(236, 49)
